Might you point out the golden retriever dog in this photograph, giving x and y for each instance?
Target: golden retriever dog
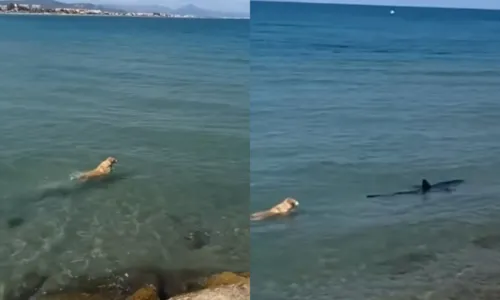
(284, 208)
(103, 169)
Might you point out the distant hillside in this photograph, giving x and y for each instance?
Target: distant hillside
(184, 10)
(141, 8)
(189, 9)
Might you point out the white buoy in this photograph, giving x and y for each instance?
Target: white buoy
(392, 12)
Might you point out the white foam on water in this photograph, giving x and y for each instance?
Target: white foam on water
(75, 175)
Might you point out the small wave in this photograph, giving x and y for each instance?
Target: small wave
(53, 185)
(75, 175)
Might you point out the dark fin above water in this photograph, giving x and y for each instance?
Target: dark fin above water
(426, 186)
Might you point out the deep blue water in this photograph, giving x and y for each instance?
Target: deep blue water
(167, 98)
(351, 100)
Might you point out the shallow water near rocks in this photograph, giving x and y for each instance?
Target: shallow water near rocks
(167, 98)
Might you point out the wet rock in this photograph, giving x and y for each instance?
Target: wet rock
(15, 222)
(122, 284)
(465, 292)
(24, 287)
(475, 283)
(409, 262)
(145, 293)
(226, 292)
(197, 239)
(487, 242)
(75, 296)
(182, 281)
(244, 274)
(142, 284)
(115, 285)
(226, 278)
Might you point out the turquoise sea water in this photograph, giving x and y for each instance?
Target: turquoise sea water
(167, 98)
(350, 100)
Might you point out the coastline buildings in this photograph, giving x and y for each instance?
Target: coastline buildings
(38, 9)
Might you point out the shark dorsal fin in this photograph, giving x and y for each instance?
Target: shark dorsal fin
(425, 185)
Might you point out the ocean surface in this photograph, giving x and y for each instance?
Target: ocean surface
(351, 100)
(167, 98)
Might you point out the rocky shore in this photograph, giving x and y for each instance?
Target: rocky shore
(134, 284)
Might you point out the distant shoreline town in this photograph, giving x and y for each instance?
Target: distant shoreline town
(37, 9)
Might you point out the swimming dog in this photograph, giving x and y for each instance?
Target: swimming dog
(284, 208)
(103, 169)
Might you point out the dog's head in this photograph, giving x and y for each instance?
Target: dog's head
(287, 205)
(292, 203)
(108, 163)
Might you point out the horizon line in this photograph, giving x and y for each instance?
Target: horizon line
(378, 5)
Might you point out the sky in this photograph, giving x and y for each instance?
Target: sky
(486, 4)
